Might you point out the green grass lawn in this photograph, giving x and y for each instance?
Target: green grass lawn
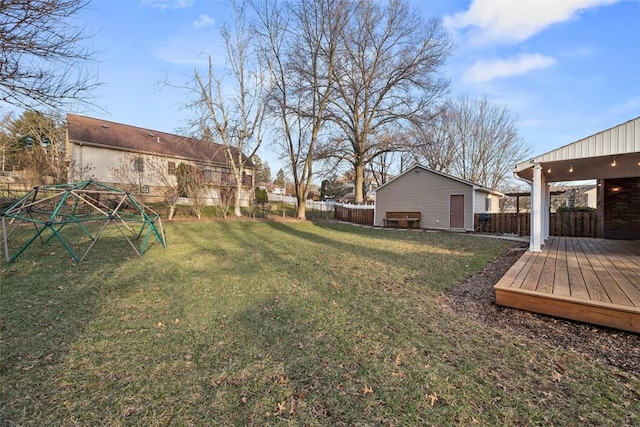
(279, 323)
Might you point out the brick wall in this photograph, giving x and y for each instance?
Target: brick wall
(619, 202)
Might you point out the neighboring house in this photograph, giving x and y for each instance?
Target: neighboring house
(592, 197)
(444, 201)
(100, 150)
(577, 196)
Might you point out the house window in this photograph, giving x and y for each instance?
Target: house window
(145, 189)
(206, 174)
(171, 168)
(138, 164)
(487, 204)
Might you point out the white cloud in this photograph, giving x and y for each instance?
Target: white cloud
(167, 4)
(491, 21)
(483, 71)
(203, 21)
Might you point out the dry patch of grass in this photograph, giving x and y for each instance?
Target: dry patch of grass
(267, 323)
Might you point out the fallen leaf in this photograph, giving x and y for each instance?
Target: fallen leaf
(398, 360)
(366, 390)
(433, 398)
(557, 376)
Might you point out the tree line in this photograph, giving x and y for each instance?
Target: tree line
(335, 86)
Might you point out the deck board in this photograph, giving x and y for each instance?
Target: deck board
(577, 284)
(561, 273)
(547, 275)
(594, 287)
(591, 280)
(623, 292)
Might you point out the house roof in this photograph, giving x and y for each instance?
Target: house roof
(611, 153)
(117, 136)
(455, 178)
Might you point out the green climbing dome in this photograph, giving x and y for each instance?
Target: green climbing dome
(77, 215)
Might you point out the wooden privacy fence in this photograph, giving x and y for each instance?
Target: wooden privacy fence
(503, 223)
(573, 224)
(567, 224)
(354, 213)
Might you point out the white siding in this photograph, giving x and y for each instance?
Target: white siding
(621, 139)
(98, 163)
(481, 202)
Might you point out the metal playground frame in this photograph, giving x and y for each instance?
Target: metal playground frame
(89, 206)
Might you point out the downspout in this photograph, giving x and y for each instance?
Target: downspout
(473, 208)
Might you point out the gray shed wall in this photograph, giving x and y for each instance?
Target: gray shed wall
(425, 192)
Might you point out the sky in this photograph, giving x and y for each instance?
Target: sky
(566, 69)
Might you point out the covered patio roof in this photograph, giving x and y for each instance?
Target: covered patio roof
(592, 157)
(609, 154)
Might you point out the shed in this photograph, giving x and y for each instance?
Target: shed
(443, 201)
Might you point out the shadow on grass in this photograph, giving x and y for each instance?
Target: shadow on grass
(312, 374)
(47, 303)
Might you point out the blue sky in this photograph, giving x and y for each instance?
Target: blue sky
(565, 68)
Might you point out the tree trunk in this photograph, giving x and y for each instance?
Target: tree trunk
(359, 183)
(236, 199)
(302, 210)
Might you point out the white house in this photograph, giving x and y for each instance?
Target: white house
(443, 201)
(96, 148)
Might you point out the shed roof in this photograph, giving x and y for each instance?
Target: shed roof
(117, 136)
(455, 178)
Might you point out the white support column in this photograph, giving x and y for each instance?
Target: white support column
(536, 210)
(546, 209)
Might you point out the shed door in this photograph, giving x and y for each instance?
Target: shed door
(456, 205)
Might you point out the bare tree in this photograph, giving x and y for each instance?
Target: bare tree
(8, 144)
(299, 42)
(167, 180)
(386, 73)
(192, 184)
(233, 117)
(433, 141)
(227, 199)
(136, 171)
(486, 140)
(132, 171)
(42, 56)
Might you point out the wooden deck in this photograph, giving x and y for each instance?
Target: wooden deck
(590, 280)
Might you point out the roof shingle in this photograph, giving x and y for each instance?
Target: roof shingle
(117, 136)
